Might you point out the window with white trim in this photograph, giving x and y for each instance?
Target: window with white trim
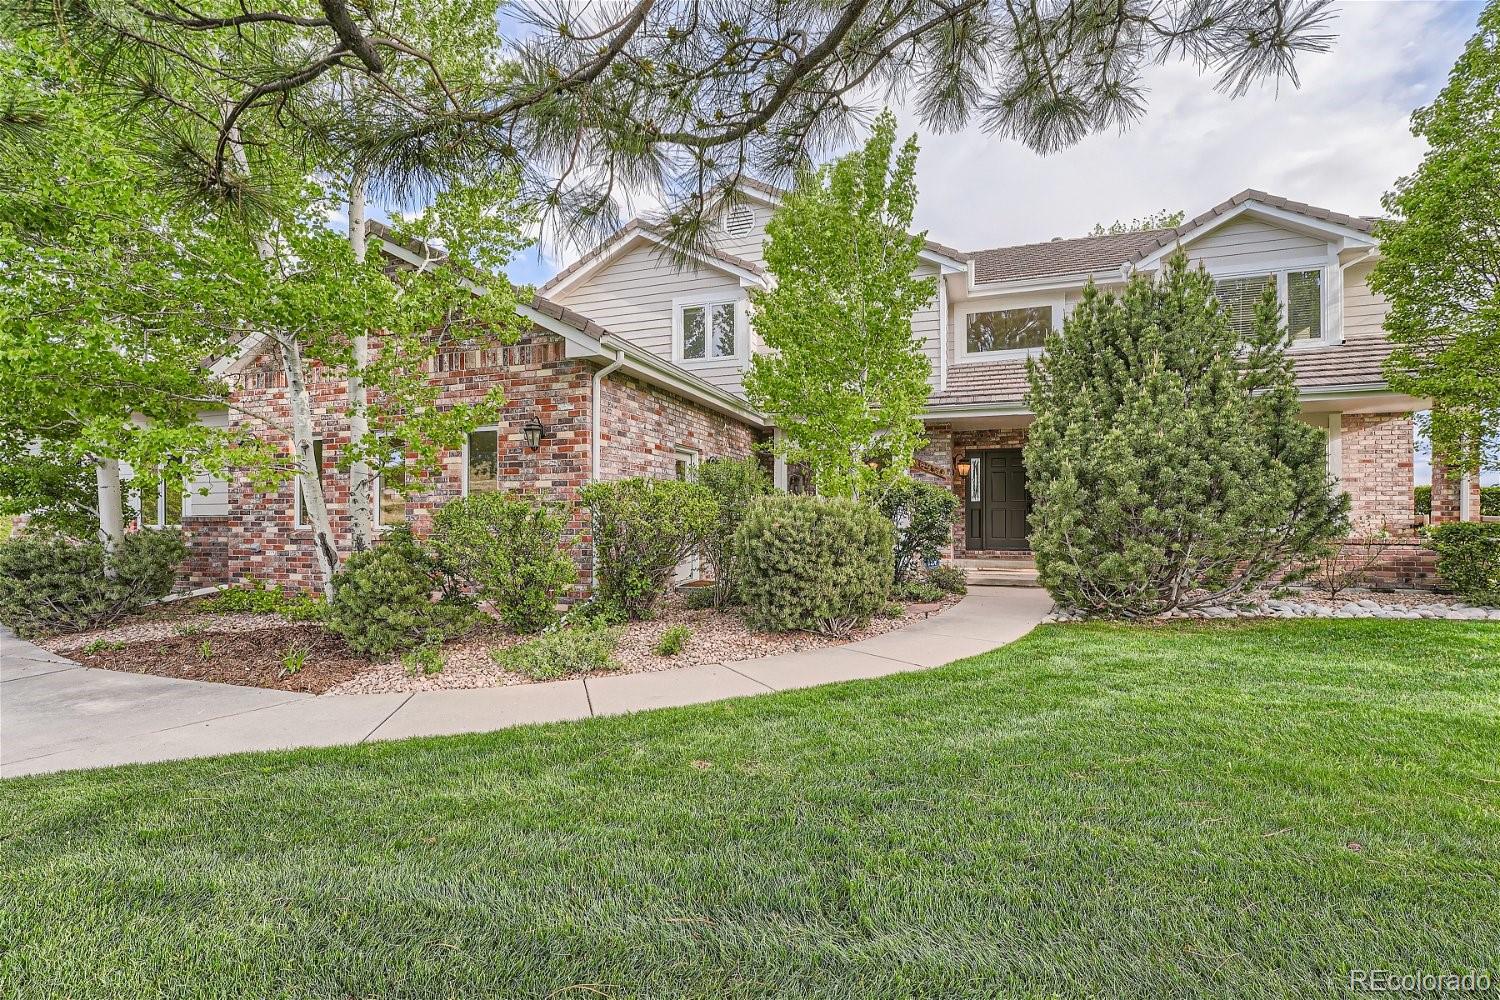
(1300, 293)
(163, 509)
(300, 505)
(1020, 329)
(708, 330)
(482, 462)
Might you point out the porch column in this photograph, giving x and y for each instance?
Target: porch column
(778, 466)
(1454, 498)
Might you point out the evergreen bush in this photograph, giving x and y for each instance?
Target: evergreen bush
(819, 564)
(735, 483)
(51, 584)
(509, 551)
(642, 529)
(1469, 559)
(922, 514)
(383, 599)
(1167, 461)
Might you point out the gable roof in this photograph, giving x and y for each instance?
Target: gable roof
(639, 228)
(1096, 254)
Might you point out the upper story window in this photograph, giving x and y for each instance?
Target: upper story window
(1020, 329)
(707, 330)
(1299, 292)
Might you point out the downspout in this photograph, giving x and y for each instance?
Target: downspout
(594, 413)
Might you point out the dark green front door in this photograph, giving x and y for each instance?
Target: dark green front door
(998, 500)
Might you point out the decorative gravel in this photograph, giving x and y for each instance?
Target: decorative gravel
(1411, 605)
(717, 637)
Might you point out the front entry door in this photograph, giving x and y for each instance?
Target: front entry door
(998, 500)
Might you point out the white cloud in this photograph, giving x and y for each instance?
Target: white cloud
(1339, 141)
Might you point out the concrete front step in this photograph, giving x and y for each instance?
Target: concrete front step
(1000, 578)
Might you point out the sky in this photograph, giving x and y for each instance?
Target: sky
(1339, 141)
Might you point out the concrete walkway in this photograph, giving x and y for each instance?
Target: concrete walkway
(56, 715)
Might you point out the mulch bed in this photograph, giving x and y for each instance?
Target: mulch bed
(250, 658)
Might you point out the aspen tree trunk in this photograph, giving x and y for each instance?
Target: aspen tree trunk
(361, 476)
(111, 507)
(294, 367)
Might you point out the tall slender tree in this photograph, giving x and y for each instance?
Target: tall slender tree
(1439, 265)
(844, 375)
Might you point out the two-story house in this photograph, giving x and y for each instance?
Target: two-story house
(635, 362)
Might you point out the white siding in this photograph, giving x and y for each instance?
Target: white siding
(207, 496)
(927, 322)
(1364, 311)
(1251, 244)
(750, 246)
(633, 298)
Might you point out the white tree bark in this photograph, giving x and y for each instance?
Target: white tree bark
(111, 506)
(361, 475)
(324, 543)
(299, 402)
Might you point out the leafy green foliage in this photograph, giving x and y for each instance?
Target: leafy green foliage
(1489, 500)
(700, 598)
(1469, 558)
(1168, 468)
(51, 584)
(948, 579)
(735, 483)
(642, 529)
(293, 660)
(1437, 265)
(1156, 220)
(50, 484)
(843, 374)
(892, 609)
(263, 597)
(919, 591)
(509, 551)
(424, 661)
(813, 563)
(383, 599)
(672, 640)
(583, 648)
(922, 514)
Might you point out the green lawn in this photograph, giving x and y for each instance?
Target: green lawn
(1094, 811)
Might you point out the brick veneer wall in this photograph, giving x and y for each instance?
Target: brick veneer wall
(1447, 494)
(641, 427)
(207, 562)
(1376, 470)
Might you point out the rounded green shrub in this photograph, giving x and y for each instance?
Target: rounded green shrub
(383, 599)
(562, 650)
(819, 564)
(51, 584)
(922, 514)
(642, 529)
(1469, 559)
(509, 551)
(948, 579)
(735, 483)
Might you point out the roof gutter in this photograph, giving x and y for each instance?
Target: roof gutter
(599, 377)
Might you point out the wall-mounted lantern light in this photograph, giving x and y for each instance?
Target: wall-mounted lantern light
(533, 432)
(963, 467)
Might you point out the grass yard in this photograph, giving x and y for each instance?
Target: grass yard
(1245, 811)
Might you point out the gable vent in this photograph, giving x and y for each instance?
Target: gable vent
(739, 220)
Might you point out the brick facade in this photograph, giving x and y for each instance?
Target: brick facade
(641, 428)
(1447, 495)
(1377, 469)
